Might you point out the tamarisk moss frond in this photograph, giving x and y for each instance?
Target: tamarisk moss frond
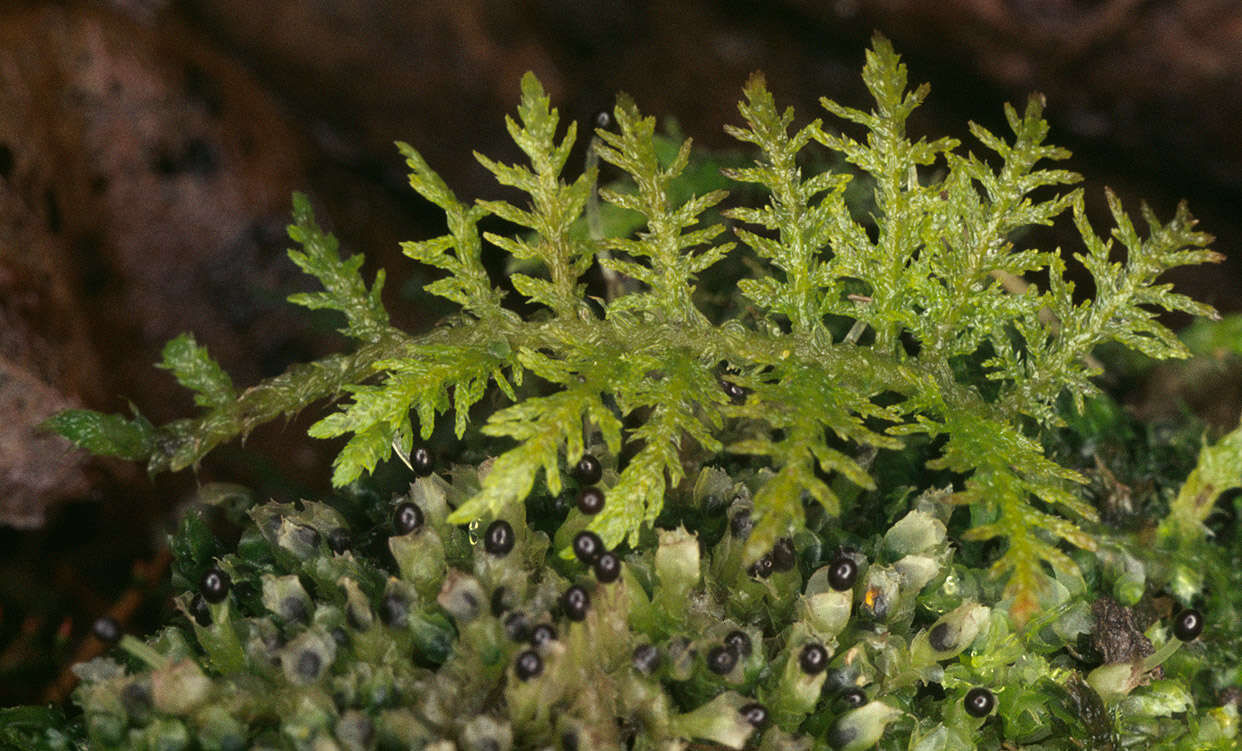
(804, 228)
(182, 443)
(379, 416)
(554, 208)
(1121, 311)
(543, 425)
(344, 290)
(806, 401)
(467, 283)
(671, 274)
(911, 316)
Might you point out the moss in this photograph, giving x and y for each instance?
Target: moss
(874, 465)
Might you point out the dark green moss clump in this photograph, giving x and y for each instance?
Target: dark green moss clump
(435, 644)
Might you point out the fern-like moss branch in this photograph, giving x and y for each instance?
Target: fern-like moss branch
(940, 341)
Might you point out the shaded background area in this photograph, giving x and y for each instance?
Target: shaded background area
(148, 149)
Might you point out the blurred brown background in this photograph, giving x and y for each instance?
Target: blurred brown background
(148, 149)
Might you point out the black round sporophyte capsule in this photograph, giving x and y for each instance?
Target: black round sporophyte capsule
(980, 702)
(587, 546)
(842, 573)
(394, 610)
(407, 517)
(576, 602)
(200, 611)
(338, 540)
(813, 659)
(591, 501)
(422, 460)
(517, 626)
(939, 638)
(783, 556)
(721, 659)
(854, 697)
(499, 539)
(214, 585)
(1188, 625)
(736, 393)
(588, 470)
(308, 665)
(607, 567)
(646, 658)
(528, 665)
(294, 609)
(543, 633)
(106, 629)
(755, 714)
(739, 642)
(761, 568)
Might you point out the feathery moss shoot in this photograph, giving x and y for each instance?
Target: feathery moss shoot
(859, 350)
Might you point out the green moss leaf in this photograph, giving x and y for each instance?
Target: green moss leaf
(106, 435)
(195, 370)
(344, 289)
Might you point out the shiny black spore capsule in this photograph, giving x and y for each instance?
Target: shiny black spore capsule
(214, 586)
(499, 538)
(422, 461)
(528, 665)
(853, 697)
(739, 642)
(607, 568)
(813, 659)
(1188, 624)
(542, 634)
(980, 702)
(721, 659)
(762, 568)
(588, 470)
(842, 573)
(591, 501)
(737, 394)
(406, 518)
(587, 546)
(575, 603)
(755, 714)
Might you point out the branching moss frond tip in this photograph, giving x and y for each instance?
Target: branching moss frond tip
(467, 283)
(195, 370)
(344, 290)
